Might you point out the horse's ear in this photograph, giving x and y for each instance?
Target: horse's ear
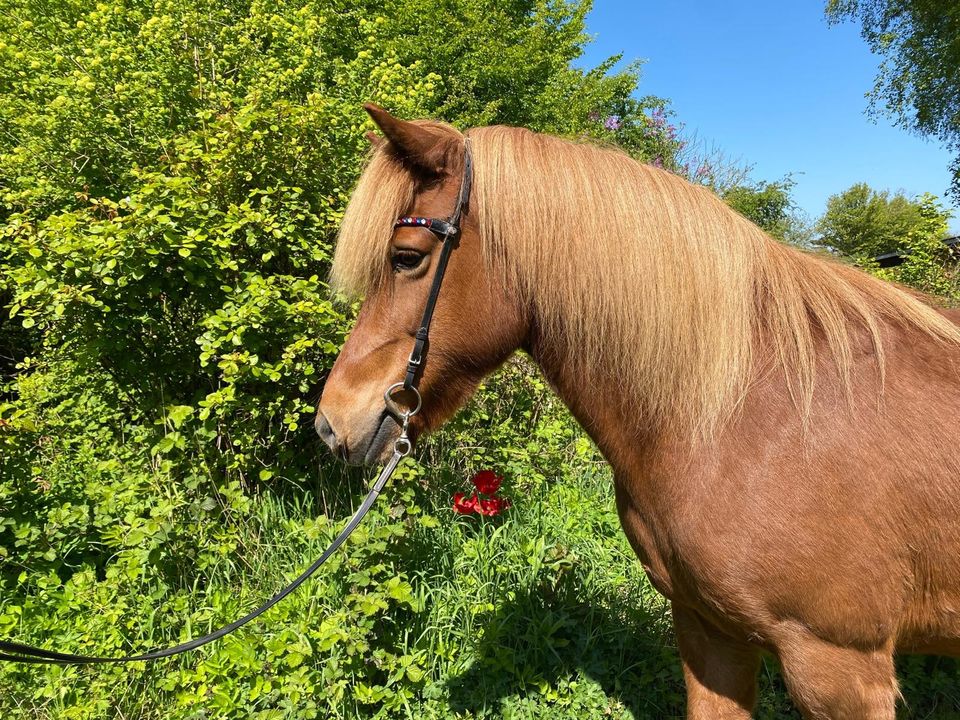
(414, 142)
(374, 139)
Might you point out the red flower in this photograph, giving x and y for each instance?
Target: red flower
(493, 506)
(465, 506)
(487, 482)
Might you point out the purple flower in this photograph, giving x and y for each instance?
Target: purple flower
(658, 161)
(612, 123)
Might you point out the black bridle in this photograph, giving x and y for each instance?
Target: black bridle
(449, 231)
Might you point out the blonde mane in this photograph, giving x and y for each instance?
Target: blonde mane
(635, 272)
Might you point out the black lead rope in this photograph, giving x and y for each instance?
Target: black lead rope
(449, 231)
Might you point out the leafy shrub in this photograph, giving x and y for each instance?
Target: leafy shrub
(866, 222)
(927, 262)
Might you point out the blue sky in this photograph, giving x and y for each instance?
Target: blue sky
(771, 84)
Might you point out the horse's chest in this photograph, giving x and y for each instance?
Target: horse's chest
(684, 565)
(648, 540)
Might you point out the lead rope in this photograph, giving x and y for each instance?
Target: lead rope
(17, 652)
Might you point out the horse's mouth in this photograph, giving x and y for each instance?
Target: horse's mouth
(380, 444)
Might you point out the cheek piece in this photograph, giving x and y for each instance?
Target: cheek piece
(448, 232)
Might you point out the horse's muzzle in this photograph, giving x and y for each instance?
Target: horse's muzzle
(369, 449)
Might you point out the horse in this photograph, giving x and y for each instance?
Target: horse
(781, 426)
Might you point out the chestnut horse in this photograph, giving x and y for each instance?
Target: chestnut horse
(782, 428)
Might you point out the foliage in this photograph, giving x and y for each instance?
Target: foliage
(421, 615)
(866, 222)
(769, 205)
(928, 264)
(171, 176)
(170, 201)
(919, 79)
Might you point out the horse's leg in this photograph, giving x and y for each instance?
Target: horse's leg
(828, 682)
(720, 672)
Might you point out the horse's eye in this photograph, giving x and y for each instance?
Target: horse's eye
(406, 259)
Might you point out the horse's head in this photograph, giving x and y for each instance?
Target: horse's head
(417, 170)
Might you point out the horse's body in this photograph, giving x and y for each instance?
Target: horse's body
(805, 502)
(830, 549)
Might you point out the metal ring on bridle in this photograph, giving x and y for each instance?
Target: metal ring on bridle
(402, 445)
(394, 408)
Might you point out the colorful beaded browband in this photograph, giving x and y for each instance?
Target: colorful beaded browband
(435, 225)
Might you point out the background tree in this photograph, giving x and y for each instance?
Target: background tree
(769, 205)
(928, 263)
(918, 82)
(867, 222)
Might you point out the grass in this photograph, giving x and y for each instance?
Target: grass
(542, 613)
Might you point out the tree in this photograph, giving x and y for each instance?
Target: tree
(864, 222)
(769, 205)
(927, 263)
(918, 82)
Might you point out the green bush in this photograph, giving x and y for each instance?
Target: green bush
(928, 264)
(172, 184)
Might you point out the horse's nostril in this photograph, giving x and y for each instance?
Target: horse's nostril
(326, 432)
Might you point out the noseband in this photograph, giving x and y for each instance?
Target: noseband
(449, 231)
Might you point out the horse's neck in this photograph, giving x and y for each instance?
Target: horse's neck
(599, 406)
(615, 421)
(631, 442)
